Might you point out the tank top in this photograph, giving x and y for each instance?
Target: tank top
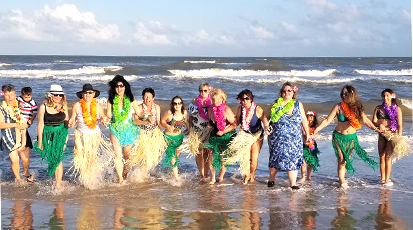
(53, 119)
(255, 123)
(81, 125)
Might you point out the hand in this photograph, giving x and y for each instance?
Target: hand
(269, 130)
(209, 126)
(186, 132)
(40, 146)
(151, 119)
(22, 126)
(220, 133)
(71, 123)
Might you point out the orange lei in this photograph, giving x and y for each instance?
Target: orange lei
(351, 116)
(90, 121)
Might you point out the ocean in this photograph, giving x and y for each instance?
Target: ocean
(158, 202)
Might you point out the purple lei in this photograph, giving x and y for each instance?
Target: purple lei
(392, 114)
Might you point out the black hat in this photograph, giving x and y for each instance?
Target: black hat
(87, 87)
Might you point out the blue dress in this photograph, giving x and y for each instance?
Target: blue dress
(286, 142)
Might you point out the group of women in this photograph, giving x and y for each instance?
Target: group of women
(137, 139)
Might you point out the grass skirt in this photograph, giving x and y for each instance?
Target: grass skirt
(347, 143)
(197, 139)
(239, 149)
(173, 143)
(311, 156)
(219, 144)
(54, 142)
(92, 155)
(126, 133)
(148, 151)
(401, 148)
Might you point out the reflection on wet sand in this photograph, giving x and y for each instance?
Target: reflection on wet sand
(251, 219)
(344, 218)
(57, 220)
(22, 215)
(285, 219)
(385, 219)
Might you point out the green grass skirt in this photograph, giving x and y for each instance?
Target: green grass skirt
(311, 156)
(173, 143)
(219, 144)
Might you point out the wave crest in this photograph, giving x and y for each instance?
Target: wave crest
(402, 72)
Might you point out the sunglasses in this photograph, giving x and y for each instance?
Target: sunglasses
(119, 86)
(289, 91)
(345, 94)
(177, 103)
(245, 99)
(88, 92)
(57, 95)
(203, 90)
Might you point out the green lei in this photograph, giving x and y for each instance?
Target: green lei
(275, 116)
(126, 108)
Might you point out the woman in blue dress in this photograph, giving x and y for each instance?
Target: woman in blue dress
(287, 115)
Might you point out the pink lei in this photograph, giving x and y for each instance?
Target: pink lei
(200, 107)
(245, 124)
(219, 116)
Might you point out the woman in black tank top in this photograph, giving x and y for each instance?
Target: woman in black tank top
(52, 132)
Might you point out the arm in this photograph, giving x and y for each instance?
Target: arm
(109, 110)
(328, 120)
(374, 120)
(40, 127)
(158, 113)
(72, 120)
(399, 121)
(6, 125)
(367, 121)
(34, 114)
(103, 118)
(304, 123)
(188, 127)
(237, 121)
(164, 121)
(230, 117)
(137, 120)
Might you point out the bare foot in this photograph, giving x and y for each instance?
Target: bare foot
(252, 180)
(308, 178)
(202, 179)
(246, 179)
(344, 185)
(212, 181)
(302, 180)
(220, 180)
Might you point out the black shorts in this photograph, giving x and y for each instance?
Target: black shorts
(28, 140)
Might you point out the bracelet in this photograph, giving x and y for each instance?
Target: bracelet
(375, 129)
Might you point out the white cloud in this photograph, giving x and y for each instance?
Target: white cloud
(203, 37)
(64, 23)
(151, 34)
(260, 32)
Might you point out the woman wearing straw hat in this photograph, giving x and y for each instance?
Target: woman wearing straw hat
(52, 131)
(91, 151)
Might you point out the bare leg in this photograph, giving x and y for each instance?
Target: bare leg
(222, 173)
(15, 164)
(388, 154)
(118, 157)
(292, 177)
(255, 151)
(201, 164)
(341, 166)
(58, 175)
(381, 148)
(205, 158)
(310, 170)
(273, 171)
(25, 156)
(126, 154)
(303, 171)
(211, 168)
(175, 169)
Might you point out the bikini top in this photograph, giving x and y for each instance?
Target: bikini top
(382, 115)
(341, 117)
(177, 124)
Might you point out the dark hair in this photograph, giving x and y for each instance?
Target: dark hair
(315, 122)
(292, 86)
(352, 100)
(112, 90)
(8, 88)
(246, 92)
(172, 105)
(148, 90)
(393, 100)
(26, 91)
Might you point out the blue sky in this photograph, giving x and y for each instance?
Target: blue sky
(281, 28)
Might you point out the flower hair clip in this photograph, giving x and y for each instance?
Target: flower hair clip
(295, 89)
(1, 92)
(393, 96)
(210, 88)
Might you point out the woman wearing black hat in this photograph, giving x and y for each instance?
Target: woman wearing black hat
(91, 150)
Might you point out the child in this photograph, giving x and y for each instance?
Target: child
(310, 150)
(28, 110)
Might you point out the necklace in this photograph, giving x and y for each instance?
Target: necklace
(392, 112)
(89, 118)
(276, 115)
(60, 107)
(200, 107)
(121, 116)
(219, 116)
(153, 109)
(351, 116)
(247, 119)
(14, 111)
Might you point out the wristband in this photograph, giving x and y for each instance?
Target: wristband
(375, 129)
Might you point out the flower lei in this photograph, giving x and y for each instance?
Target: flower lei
(355, 123)
(219, 116)
(119, 117)
(153, 109)
(392, 112)
(275, 116)
(61, 109)
(200, 108)
(245, 124)
(90, 120)
(14, 112)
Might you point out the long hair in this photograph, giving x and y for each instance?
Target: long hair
(315, 122)
(49, 101)
(247, 93)
(291, 86)
(393, 100)
(352, 100)
(172, 105)
(112, 88)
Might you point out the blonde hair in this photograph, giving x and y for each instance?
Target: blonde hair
(204, 84)
(49, 102)
(217, 92)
